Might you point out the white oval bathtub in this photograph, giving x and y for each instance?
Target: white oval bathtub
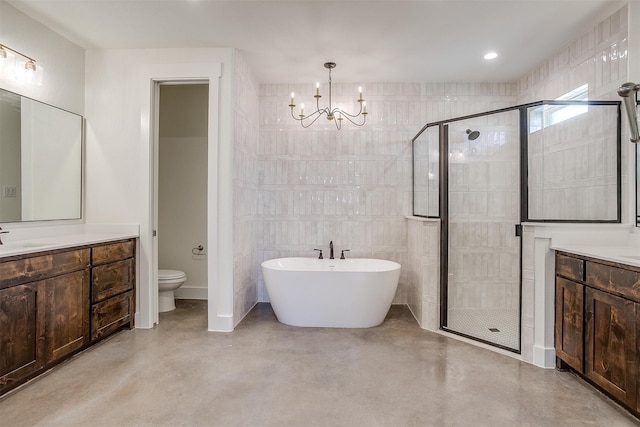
(336, 293)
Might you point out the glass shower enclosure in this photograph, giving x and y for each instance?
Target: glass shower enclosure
(484, 175)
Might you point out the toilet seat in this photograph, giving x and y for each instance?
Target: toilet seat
(170, 275)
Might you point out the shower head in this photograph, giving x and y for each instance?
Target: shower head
(473, 134)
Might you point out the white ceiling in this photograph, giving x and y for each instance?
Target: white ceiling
(288, 41)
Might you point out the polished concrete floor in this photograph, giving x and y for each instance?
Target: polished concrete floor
(269, 374)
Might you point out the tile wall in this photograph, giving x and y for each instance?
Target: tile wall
(245, 190)
(351, 186)
(423, 271)
(484, 206)
(573, 164)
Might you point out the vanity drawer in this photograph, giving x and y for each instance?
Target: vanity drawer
(39, 267)
(111, 279)
(112, 252)
(614, 279)
(110, 315)
(569, 267)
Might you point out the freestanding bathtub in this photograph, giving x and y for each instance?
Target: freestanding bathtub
(336, 293)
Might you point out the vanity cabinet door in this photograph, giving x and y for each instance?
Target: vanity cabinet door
(21, 333)
(610, 344)
(569, 334)
(66, 314)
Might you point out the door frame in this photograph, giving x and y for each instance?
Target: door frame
(220, 306)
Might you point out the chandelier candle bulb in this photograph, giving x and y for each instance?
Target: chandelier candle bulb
(364, 106)
(301, 110)
(360, 90)
(317, 89)
(291, 104)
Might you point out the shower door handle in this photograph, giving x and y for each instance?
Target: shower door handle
(518, 230)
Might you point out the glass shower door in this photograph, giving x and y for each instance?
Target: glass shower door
(483, 250)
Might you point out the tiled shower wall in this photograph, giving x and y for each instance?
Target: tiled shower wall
(245, 189)
(351, 186)
(572, 164)
(598, 57)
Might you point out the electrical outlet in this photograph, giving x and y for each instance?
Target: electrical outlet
(9, 191)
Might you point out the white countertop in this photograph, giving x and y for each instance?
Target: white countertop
(622, 254)
(17, 242)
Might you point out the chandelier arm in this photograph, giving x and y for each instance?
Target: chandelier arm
(349, 116)
(319, 114)
(305, 117)
(336, 110)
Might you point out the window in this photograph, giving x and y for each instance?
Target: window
(548, 115)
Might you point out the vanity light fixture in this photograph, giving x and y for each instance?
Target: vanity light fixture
(336, 114)
(29, 66)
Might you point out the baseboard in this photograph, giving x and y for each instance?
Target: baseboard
(544, 357)
(220, 323)
(186, 292)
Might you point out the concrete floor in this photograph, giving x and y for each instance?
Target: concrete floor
(269, 374)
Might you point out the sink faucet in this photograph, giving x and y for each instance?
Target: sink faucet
(331, 249)
(6, 231)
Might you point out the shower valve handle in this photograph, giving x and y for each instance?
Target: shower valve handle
(319, 250)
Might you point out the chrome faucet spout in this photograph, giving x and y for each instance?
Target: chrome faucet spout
(331, 249)
(7, 231)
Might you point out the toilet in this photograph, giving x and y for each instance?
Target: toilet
(168, 281)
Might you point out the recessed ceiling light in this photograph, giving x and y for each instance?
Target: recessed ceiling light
(491, 55)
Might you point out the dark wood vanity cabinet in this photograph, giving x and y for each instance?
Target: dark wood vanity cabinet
(570, 323)
(112, 287)
(21, 333)
(597, 324)
(47, 306)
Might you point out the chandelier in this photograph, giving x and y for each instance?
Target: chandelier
(336, 114)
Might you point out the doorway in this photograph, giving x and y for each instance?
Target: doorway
(181, 202)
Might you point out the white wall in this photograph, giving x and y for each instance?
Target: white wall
(118, 157)
(63, 82)
(182, 186)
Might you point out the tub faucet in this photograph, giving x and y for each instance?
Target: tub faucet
(6, 231)
(331, 249)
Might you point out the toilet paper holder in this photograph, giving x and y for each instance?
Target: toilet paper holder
(198, 250)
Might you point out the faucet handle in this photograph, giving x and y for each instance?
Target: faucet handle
(342, 253)
(320, 250)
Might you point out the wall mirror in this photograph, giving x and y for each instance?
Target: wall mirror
(40, 161)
